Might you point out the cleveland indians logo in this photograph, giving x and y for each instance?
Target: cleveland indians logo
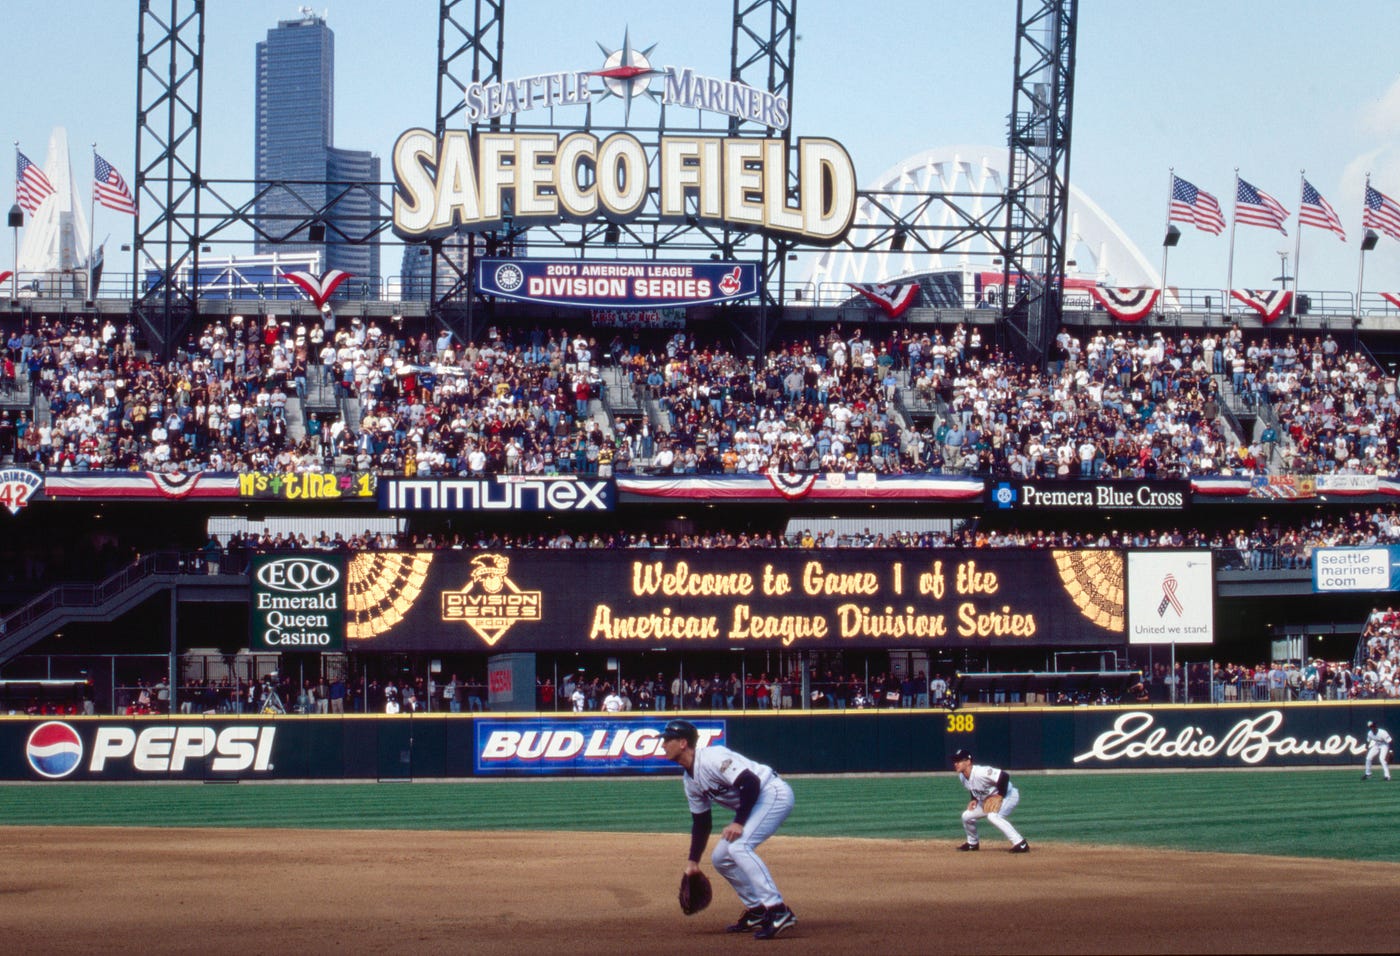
(490, 603)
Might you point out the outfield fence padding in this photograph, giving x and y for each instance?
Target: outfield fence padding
(450, 746)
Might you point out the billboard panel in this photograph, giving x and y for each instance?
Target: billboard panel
(713, 599)
(575, 746)
(297, 602)
(1354, 569)
(1171, 597)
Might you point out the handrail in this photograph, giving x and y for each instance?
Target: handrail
(95, 595)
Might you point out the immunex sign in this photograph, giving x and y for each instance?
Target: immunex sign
(297, 602)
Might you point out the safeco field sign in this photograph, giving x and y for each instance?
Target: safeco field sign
(298, 603)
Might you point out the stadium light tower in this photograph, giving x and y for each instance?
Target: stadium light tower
(1283, 278)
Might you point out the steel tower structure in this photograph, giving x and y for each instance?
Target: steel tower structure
(1026, 224)
(1037, 196)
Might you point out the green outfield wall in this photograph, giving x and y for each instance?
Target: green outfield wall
(435, 746)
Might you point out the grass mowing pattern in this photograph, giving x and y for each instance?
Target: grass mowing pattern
(1284, 813)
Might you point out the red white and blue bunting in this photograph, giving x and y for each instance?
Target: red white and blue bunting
(1268, 303)
(1126, 305)
(816, 487)
(893, 298)
(318, 290)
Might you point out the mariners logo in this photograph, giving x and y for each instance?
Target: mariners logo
(54, 749)
(627, 73)
(509, 277)
(491, 603)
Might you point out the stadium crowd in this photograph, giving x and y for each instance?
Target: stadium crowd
(1111, 404)
(1268, 544)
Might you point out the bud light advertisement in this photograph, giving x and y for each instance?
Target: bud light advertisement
(601, 746)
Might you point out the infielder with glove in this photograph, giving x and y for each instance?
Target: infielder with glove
(1377, 747)
(761, 801)
(993, 797)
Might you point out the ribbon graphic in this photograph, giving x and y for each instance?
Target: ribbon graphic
(1169, 596)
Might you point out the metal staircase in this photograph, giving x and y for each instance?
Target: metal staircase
(117, 595)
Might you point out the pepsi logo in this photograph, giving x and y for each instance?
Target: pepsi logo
(54, 749)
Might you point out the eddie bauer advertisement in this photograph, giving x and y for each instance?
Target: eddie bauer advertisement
(625, 600)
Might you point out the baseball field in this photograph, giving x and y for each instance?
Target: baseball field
(1253, 861)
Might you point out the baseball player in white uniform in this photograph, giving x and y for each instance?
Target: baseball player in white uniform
(1377, 747)
(983, 782)
(761, 801)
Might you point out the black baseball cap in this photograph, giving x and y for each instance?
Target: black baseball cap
(681, 730)
(962, 755)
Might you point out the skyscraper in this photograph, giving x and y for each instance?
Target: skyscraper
(295, 116)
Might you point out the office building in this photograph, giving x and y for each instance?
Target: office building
(295, 119)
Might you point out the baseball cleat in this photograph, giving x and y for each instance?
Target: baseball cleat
(775, 921)
(966, 847)
(749, 921)
(1022, 847)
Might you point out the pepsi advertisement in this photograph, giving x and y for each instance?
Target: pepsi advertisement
(617, 283)
(599, 746)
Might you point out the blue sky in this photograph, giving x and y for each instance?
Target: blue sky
(1202, 85)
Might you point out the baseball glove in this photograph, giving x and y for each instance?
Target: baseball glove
(695, 893)
(992, 804)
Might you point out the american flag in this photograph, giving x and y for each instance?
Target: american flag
(1254, 207)
(1381, 212)
(32, 187)
(109, 188)
(1316, 211)
(1190, 204)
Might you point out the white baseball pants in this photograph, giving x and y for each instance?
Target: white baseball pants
(739, 863)
(1378, 752)
(998, 819)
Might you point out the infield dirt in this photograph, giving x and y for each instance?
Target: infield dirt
(210, 891)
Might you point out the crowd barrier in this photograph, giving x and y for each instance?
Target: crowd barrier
(446, 746)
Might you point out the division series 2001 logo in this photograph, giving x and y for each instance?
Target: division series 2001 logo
(55, 750)
(491, 603)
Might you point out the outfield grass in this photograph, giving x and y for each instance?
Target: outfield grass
(1327, 813)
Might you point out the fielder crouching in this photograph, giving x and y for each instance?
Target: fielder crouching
(761, 801)
(993, 797)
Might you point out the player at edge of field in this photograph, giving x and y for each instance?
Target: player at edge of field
(1377, 747)
(983, 782)
(761, 801)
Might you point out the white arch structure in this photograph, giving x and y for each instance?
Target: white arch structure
(1098, 247)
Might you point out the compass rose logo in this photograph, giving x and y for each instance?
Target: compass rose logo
(627, 73)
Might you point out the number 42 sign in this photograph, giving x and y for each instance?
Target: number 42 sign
(17, 487)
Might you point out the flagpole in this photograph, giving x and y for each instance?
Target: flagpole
(1230, 269)
(1297, 249)
(14, 277)
(92, 214)
(1162, 292)
(1361, 264)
